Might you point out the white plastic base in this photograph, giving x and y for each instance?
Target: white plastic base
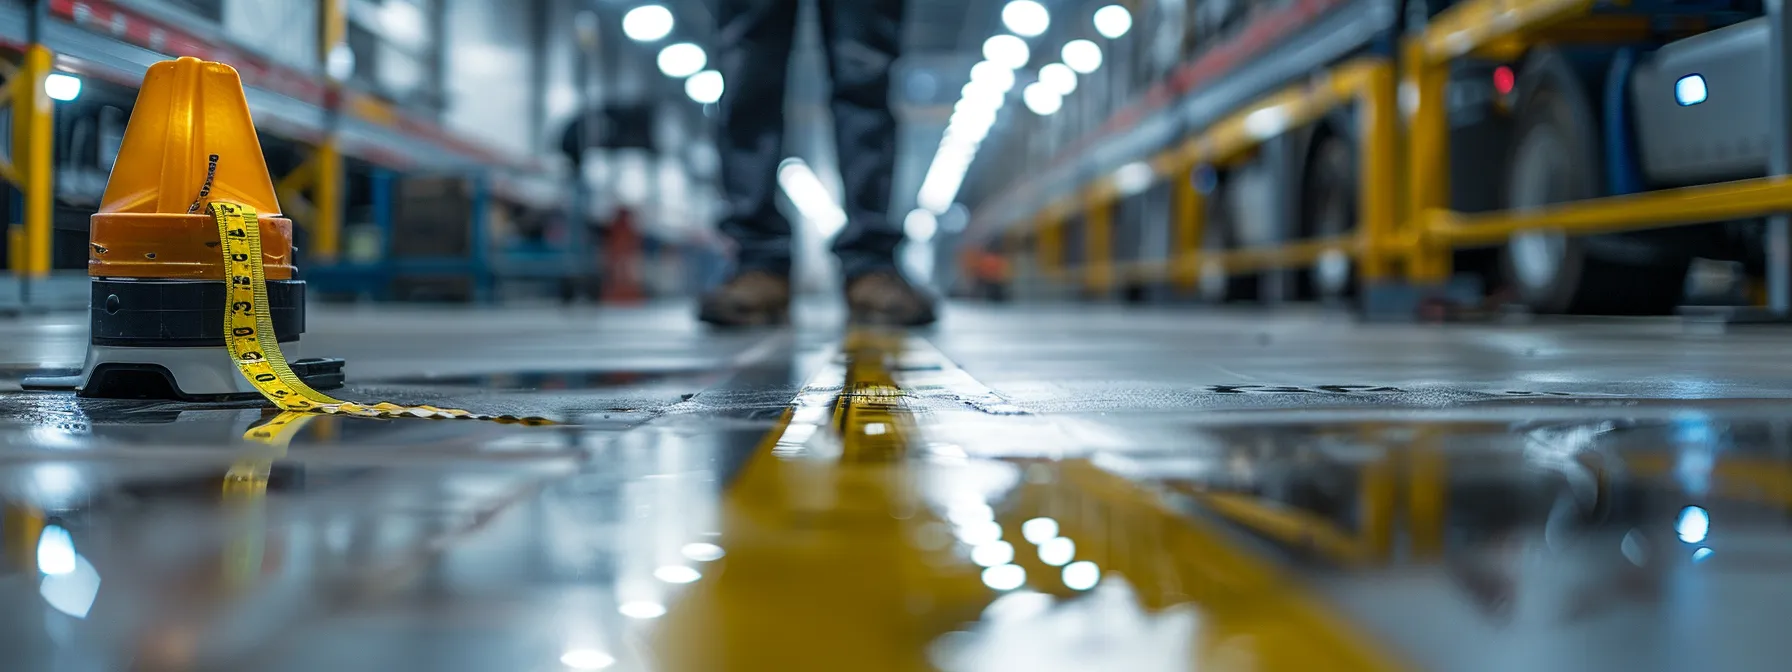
(196, 371)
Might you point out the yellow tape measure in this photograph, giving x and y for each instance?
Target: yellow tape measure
(249, 334)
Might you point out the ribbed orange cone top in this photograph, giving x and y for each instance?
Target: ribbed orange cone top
(187, 111)
(152, 221)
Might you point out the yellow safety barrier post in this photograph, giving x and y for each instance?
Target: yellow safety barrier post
(30, 166)
(1428, 165)
(1378, 215)
(1050, 244)
(1098, 237)
(1190, 226)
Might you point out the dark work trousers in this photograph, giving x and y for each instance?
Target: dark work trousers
(862, 39)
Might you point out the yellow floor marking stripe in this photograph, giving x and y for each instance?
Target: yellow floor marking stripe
(1254, 615)
(822, 572)
(827, 567)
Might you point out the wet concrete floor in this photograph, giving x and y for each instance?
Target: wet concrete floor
(1022, 489)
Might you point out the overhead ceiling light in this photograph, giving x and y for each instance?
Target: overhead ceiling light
(1041, 99)
(1007, 51)
(705, 87)
(1026, 18)
(682, 60)
(647, 23)
(982, 96)
(1112, 21)
(993, 76)
(1082, 56)
(1059, 77)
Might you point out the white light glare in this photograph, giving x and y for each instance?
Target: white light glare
(1690, 90)
(702, 551)
(920, 225)
(810, 196)
(587, 659)
(676, 574)
(1004, 577)
(993, 554)
(1007, 51)
(1694, 525)
(1133, 178)
(1059, 77)
(979, 533)
(1057, 552)
(705, 87)
(1112, 21)
(992, 76)
(1082, 56)
(62, 87)
(55, 551)
(1041, 99)
(642, 609)
(1266, 123)
(647, 23)
(682, 60)
(1039, 530)
(1081, 575)
(1026, 18)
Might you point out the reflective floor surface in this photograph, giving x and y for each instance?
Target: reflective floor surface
(1049, 489)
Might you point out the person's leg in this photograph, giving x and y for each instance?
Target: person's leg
(753, 50)
(864, 38)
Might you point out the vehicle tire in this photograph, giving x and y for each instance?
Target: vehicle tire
(1328, 210)
(1555, 158)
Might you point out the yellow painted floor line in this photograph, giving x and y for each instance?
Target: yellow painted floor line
(847, 549)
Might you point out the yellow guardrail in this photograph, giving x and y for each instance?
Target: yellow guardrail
(1406, 227)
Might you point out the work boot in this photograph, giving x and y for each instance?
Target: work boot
(885, 298)
(750, 299)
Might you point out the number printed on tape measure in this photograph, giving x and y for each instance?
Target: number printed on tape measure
(250, 338)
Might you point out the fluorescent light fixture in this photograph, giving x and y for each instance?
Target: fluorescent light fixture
(1082, 56)
(682, 60)
(705, 87)
(1059, 77)
(1026, 18)
(810, 196)
(1113, 21)
(993, 76)
(59, 86)
(647, 23)
(1007, 51)
(1041, 99)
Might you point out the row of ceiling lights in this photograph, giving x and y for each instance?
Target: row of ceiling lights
(680, 60)
(992, 80)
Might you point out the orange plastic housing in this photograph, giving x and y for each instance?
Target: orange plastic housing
(152, 222)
